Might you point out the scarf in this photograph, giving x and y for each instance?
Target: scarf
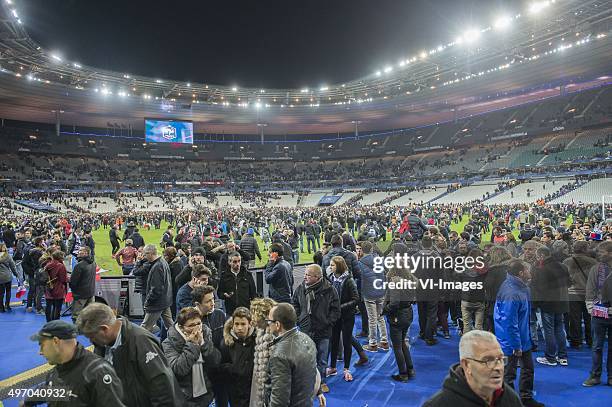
(338, 281)
(310, 294)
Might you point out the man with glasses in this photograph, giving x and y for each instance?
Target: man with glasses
(511, 316)
(478, 377)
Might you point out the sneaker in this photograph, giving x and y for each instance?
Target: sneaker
(371, 348)
(399, 378)
(331, 371)
(384, 346)
(446, 335)
(544, 361)
(592, 381)
(348, 377)
(562, 361)
(531, 403)
(361, 334)
(324, 388)
(40, 312)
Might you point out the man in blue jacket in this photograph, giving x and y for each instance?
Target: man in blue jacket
(373, 294)
(511, 315)
(279, 275)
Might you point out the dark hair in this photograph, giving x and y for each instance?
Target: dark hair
(199, 270)
(242, 312)
(581, 247)
(543, 251)
(86, 249)
(285, 314)
(276, 248)
(336, 240)
(465, 235)
(366, 247)
(170, 253)
(58, 255)
(38, 240)
(186, 314)
(515, 267)
(426, 242)
(199, 292)
(341, 266)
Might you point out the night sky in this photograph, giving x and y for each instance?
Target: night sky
(251, 43)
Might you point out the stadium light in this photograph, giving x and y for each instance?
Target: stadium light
(9, 2)
(502, 23)
(423, 54)
(471, 35)
(538, 6)
(14, 13)
(305, 90)
(234, 89)
(76, 65)
(324, 88)
(378, 73)
(56, 57)
(258, 105)
(388, 69)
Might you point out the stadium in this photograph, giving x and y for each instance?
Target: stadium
(122, 191)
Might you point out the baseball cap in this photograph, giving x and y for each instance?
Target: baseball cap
(198, 250)
(56, 329)
(129, 242)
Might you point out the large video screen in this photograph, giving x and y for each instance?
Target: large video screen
(168, 131)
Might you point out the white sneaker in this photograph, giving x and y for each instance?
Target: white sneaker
(562, 361)
(544, 361)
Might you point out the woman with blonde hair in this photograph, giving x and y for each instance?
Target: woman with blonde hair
(260, 308)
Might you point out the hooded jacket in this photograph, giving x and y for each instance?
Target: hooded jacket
(159, 287)
(83, 279)
(349, 257)
(456, 392)
(7, 268)
(279, 276)
(237, 362)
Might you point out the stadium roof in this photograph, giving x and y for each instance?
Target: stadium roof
(552, 43)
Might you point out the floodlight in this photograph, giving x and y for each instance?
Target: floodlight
(305, 90)
(388, 69)
(378, 73)
(258, 105)
(324, 88)
(538, 6)
(423, 54)
(502, 23)
(76, 65)
(234, 89)
(56, 57)
(471, 35)
(14, 13)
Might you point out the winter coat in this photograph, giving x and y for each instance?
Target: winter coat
(237, 361)
(241, 285)
(292, 371)
(159, 287)
(416, 227)
(370, 279)
(7, 268)
(249, 245)
(57, 287)
(324, 308)
(279, 276)
(550, 287)
(263, 340)
(511, 316)
(143, 369)
(456, 392)
(83, 279)
(182, 355)
(350, 259)
(578, 267)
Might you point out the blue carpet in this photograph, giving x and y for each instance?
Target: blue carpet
(555, 386)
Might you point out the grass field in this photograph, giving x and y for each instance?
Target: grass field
(105, 260)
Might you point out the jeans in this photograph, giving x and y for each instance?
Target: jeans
(534, 325)
(78, 305)
(301, 242)
(5, 292)
(398, 329)
(472, 314)
(310, 240)
(374, 309)
(150, 319)
(322, 345)
(127, 269)
(600, 327)
(554, 335)
(443, 315)
(35, 294)
(428, 314)
(526, 379)
(578, 313)
(296, 256)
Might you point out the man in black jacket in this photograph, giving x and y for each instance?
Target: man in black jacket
(83, 282)
(114, 239)
(337, 250)
(416, 225)
(236, 286)
(137, 238)
(90, 380)
(158, 298)
(136, 355)
(237, 356)
(478, 379)
(317, 307)
(279, 275)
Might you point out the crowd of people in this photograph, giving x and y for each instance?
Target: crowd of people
(209, 333)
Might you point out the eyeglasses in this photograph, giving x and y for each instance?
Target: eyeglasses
(491, 363)
(193, 325)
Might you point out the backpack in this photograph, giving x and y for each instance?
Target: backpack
(43, 278)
